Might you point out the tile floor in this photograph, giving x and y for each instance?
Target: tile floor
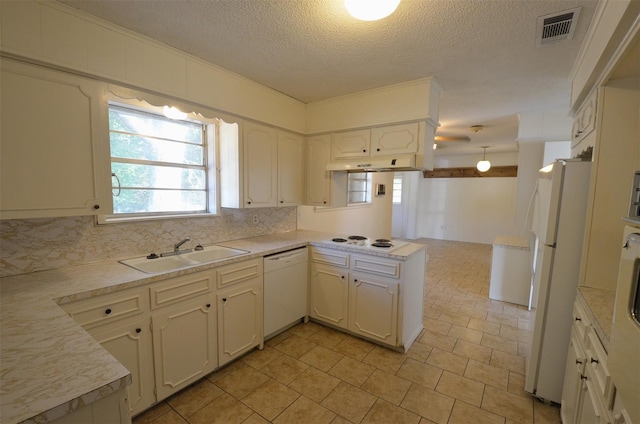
(467, 366)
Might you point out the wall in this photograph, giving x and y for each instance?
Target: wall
(467, 209)
(370, 221)
(48, 243)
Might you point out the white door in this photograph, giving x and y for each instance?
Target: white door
(329, 294)
(373, 308)
(239, 321)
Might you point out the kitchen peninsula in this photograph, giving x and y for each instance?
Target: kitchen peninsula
(52, 367)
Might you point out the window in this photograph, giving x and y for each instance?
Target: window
(159, 165)
(397, 188)
(359, 188)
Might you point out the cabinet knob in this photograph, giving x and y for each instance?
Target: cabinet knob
(324, 201)
(594, 361)
(248, 202)
(355, 280)
(342, 277)
(378, 149)
(282, 201)
(107, 311)
(583, 377)
(138, 330)
(208, 305)
(578, 362)
(224, 299)
(96, 206)
(364, 150)
(578, 319)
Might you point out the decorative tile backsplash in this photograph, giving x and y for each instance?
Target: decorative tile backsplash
(47, 243)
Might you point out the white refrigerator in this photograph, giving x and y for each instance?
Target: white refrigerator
(558, 223)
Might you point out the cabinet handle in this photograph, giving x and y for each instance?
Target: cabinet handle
(248, 202)
(107, 311)
(583, 377)
(342, 277)
(594, 361)
(355, 280)
(378, 149)
(138, 330)
(364, 150)
(324, 201)
(578, 319)
(578, 362)
(282, 201)
(96, 206)
(224, 299)
(208, 305)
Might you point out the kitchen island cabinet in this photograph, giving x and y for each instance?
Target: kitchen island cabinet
(329, 294)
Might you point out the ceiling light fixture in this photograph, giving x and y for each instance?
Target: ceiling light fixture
(483, 165)
(371, 10)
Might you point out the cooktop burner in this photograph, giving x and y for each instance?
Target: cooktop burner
(383, 241)
(338, 240)
(382, 244)
(357, 238)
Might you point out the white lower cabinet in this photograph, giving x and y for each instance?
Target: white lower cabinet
(184, 344)
(111, 409)
(574, 370)
(329, 294)
(130, 343)
(373, 308)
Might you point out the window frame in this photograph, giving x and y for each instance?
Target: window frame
(368, 189)
(211, 157)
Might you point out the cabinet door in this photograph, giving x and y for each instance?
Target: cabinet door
(184, 344)
(329, 294)
(239, 320)
(574, 369)
(54, 136)
(351, 144)
(318, 178)
(260, 165)
(373, 308)
(131, 345)
(395, 139)
(291, 155)
(590, 409)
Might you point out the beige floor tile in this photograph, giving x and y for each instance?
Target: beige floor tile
(354, 347)
(383, 412)
(226, 370)
(340, 420)
(352, 371)
(428, 403)
(487, 374)
(438, 340)
(224, 410)
(255, 418)
(459, 387)
(464, 413)
(305, 330)
(501, 343)
(285, 369)
(420, 373)
(171, 417)
(321, 358)
(466, 334)
(304, 410)
(437, 326)
(419, 351)
(516, 310)
(385, 359)
(502, 319)
(188, 401)
(515, 333)
(242, 381)
(508, 405)
(148, 416)
(447, 361)
(516, 384)
(270, 399)
(545, 414)
(295, 346)
(508, 361)
(314, 384)
(349, 402)
(259, 358)
(387, 386)
(327, 337)
(485, 326)
(278, 339)
(473, 351)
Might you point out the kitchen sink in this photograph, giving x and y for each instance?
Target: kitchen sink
(184, 260)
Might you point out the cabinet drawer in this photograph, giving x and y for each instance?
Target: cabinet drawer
(581, 322)
(376, 265)
(108, 308)
(181, 288)
(330, 257)
(229, 275)
(597, 362)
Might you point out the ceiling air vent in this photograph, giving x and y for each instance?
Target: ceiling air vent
(557, 27)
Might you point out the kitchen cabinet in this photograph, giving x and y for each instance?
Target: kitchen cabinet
(584, 122)
(575, 366)
(260, 165)
(351, 144)
(324, 188)
(375, 297)
(55, 146)
(291, 169)
(111, 409)
(240, 308)
(395, 139)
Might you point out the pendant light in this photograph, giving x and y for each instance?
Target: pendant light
(371, 10)
(483, 165)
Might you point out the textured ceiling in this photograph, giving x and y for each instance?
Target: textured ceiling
(482, 52)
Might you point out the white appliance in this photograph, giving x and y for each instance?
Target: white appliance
(285, 289)
(559, 222)
(624, 351)
(364, 244)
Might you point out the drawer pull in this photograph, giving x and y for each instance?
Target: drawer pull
(583, 377)
(107, 311)
(594, 361)
(208, 305)
(578, 362)
(138, 330)
(578, 319)
(224, 299)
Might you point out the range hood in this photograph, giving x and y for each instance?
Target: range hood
(399, 163)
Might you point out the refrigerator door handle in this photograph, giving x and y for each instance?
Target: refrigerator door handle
(553, 246)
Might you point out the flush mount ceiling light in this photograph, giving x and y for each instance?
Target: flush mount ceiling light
(483, 165)
(371, 10)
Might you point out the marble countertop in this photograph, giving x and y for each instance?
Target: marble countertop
(49, 366)
(600, 304)
(512, 242)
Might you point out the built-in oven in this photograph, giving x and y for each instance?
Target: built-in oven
(624, 350)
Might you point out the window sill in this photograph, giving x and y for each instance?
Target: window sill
(342, 208)
(111, 219)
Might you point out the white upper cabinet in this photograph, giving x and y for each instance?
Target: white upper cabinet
(260, 165)
(55, 159)
(395, 139)
(291, 160)
(324, 188)
(351, 144)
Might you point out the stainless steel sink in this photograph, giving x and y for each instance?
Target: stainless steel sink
(185, 260)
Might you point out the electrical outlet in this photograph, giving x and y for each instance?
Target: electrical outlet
(228, 219)
(255, 219)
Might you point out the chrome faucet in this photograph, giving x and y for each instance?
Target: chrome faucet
(176, 248)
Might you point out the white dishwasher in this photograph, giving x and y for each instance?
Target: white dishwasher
(285, 290)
